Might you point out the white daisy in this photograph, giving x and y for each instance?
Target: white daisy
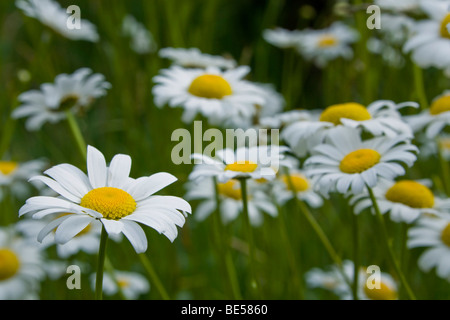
(430, 44)
(405, 200)
(345, 162)
(131, 284)
(108, 194)
(230, 196)
(142, 41)
(434, 119)
(381, 117)
(73, 92)
(14, 176)
(51, 14)
(20, 266)
(283, 38)
(215, 94)
(194, 58)
(254, 162)
(398, 6)
(432, 233)
(322, 46)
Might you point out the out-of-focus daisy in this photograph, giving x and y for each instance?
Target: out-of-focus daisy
(322, 46)
(108, 194)
(399, 6)
(430, 44)
(405, 200)
(332, 280)
(434, 119)
(432, 233)
(142, 41)
(381, 117)
(20, 266)
(283, 38)
(73, 92)
(254, 162)
(345, 162)
(194, 58)
(215, 94)
(130, 284)
(51, 14)
(14, 176)
(230, 196)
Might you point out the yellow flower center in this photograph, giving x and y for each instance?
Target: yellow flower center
(112, 203)
(299, 182)
(123, 283)
(445, 236)
(411, 193)
(383, 293)
(351, 110)
(8, 167)
(327, 41)
(359, 161)
(9, 264)
(440, 105)
(230, 189)
(444, 29)
(242, 166)
(68, 102)
(210, 86)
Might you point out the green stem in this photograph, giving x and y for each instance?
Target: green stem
(251, 246)
(388, 245)
(100, 264)
(153, 276)
(445, 170)
(356, 261)
(420, 86)
(76, 132)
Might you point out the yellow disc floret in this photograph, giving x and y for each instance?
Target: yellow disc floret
(445, 236)
(230, 189)
(242, 166)
(384, 292)
(440, 105)
(359, 160)
(210, 86)
(327, 41)
(9, 264)
(296, 181)
(8, 167)
(112, 203)
(351, 110)
(444, 26)
(411, 193)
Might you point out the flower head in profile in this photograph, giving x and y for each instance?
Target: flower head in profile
(346, 163)
(109, 195)
(194, 58)
(69, 92)
(283, 38)
(51, 14)
(131, 284)
(141, 39)
(215, 94)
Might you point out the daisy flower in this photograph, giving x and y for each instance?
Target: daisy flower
(345, 162)
(230, 196)
(434, 119)
(254, 162)
(74, 92)
(398, 6)
(405, 200)
(283, 38)
(194, 58)
(20, 266)
(131, 284)
(109, 195)
(322, 46)
(14, 176)
(381, 117)
(430, 44)
(215, 94)
(142, 41)
(51, 14)
(432, 233)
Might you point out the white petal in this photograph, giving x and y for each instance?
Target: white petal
(144, 187)
(119, 170)
(70, 227)
(96, 166)
(135, 235)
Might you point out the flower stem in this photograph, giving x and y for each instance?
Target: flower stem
(388, 245)
(444, 169)
(356, 261)
(76, 132)
(420, 87)
(100, 264)
(153, 276)
(251, 246)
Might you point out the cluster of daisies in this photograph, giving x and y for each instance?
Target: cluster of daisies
(365, 153)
